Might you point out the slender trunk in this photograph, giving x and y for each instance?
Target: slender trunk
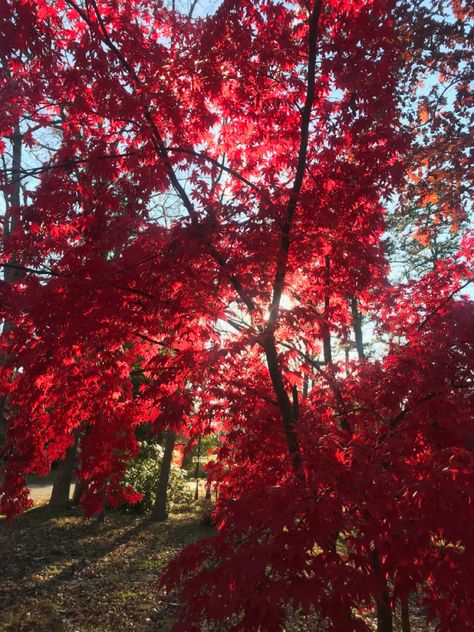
(160, 508)
(327, 301)
(10, 224)
(384, 614)
(63, 479)
(384, 608)
(186, 465)
(79, 485)
(100, 517)
(347, 358)
(327, 345)
(78, 489)
(288, 408)
(305, 386)
(13, 200)
(357, 325)
(405, 615)
(196, 472)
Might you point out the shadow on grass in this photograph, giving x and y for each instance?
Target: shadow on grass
(71, 571)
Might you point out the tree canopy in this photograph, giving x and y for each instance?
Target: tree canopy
(201, 199)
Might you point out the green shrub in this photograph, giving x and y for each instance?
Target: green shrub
(143, 472)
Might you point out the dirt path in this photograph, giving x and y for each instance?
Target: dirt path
(40, 491)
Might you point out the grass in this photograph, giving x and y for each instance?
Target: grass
(60, 573)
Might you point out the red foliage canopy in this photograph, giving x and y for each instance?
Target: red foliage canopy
(207, 209)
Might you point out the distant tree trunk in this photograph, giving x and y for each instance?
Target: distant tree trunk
(347, 358)
(196, 473)
(11, 220)
(405, 616)
(160, 509)
(357, 325)
(325, 329)
(100, 517)
(63, 478)
(305, 390)
(78, 489)
(187, 456)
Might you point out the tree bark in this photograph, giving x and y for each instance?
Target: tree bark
(10, 224)
(160, 512)
(384, 614)
(384, 608)
(196, 472)
(78, 489)
(405, 615)
(186, 465)
(63, 479)
(325, 328)
(288, 409)
(13, 200)
(357, 325)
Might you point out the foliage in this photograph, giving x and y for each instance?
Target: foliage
(142, 474)
(213, 213)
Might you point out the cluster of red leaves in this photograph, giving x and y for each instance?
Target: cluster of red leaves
(400, 483)
(339, 483)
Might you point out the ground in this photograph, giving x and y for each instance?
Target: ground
(60, 573)
(41, 488)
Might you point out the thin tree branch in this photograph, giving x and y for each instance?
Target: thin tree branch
(148, 339)
(131, 290)
(284, 249)
(443, 303)
(396, 420)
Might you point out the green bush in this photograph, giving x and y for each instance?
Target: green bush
(143, 472)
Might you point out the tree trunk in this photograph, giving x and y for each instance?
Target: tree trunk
(196, 472)
(288, 408)
(384, 608)
(357, 325)
(305, 389)
(160, 509)
(78, 489)
(186, 465)
(384, 614)
(100, 517)
(405, 616)
(10, 275)
(325, 329)
(63, 479)
(347, 620)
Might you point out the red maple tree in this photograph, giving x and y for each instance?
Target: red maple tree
(212, 215)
